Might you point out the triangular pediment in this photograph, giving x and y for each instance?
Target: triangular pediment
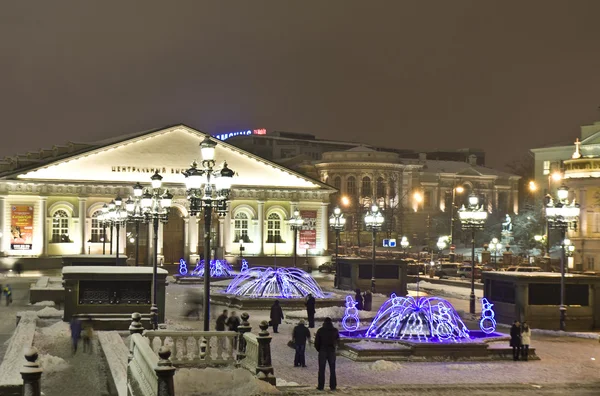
(592, 139)
(469, 172)
(171, 151)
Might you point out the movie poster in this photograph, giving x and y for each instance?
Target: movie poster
(308, 232)
(21, 227)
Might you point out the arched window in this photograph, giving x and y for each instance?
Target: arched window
(337, 182)
(97, 232)
(392, 189)
(274, 228)
(351, 186)
(366, 187)
(241, 227)
(380, 188)
(60, 227)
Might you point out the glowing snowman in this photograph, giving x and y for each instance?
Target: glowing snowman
(444, 327)
(487, 324)
(351, 321)
(183, 270)
(244, 265)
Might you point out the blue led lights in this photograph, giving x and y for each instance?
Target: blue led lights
(351, 321)
(182, 267)
(421, 319)
(244, 265)
(218, 268)
(487, 324)
(260, 282)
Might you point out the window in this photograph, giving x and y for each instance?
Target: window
(337, 182)
(546, 167)
(240, 225)
(97, 232)
(590, 263)
(392, 189)
(380, 188)
(274, 228)
(60, 227)
(596, 222)
(351, 186)
(366, 187)
(427, 199)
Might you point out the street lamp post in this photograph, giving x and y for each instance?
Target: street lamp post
(155, 208)
(135, 214)
(241, 249)
(116, 216)
(404, 244)
(104, 219)
(473, 219)
(495, 247)
(306, 247)
(296, 223)
(563, 216)
(208, 189)
(373, 223)
(337, 222)
(455, 189)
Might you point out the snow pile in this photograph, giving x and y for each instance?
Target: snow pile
(172, 325)
(46, 336)
(282, 382)
(471, 366)
(14, 359)
(384, 365)
(446, 290)
(222, 382)
(45, 304)
(49, 311)
(332, 312)
(377, 345)
(52, 364)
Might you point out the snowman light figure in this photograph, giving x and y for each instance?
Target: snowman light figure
(244, 265)
(487, 324)
(351, 321)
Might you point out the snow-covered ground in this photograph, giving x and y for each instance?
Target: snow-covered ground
(222, 382)
(444, 290)
(331, 312)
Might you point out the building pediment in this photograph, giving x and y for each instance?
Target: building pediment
(170, 151)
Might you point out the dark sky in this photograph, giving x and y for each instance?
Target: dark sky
(501, 75)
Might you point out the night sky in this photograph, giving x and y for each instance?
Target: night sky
(502, 75)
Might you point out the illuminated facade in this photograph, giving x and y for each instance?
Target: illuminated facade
(50, 200)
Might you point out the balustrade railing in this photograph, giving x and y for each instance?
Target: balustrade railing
(250, 361)
(141, 378)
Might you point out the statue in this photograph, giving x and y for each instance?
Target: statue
(507, 226)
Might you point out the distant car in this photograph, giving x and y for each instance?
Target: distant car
(445, 270)
(415, 268)
(524, 269)
(464, 272)
(326, 267)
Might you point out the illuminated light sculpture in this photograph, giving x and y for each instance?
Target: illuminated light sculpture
(244, 265)
(218, 269)
(487, 324)
(260, 282)
(183, 270)
(351, 321)
(422, 319)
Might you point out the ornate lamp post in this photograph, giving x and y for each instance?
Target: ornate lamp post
(103, 218)
(460, 190)
(563, 216)
(337, 222)
(135, 214)
(473, 219)
(241, 248)
(373, 223)
(404, 244)
(442, 243)
(208, 189)
(306, 247)
(116, 216)
(495, 247)
(155, 208)
(296, 223)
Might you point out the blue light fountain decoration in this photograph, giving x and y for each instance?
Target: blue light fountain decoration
(261, 282)
(487, 324)
(218, 269)
(422, 319)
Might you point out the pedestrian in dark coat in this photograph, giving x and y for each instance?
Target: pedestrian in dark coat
(310, 310)
(359, 300)
(326, 341)
(75, 333)
(276, 316)
(515, 339)
(299, 337)
(368, 300)
(221, 321)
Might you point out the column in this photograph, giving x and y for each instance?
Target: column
(324, 226)
(583, 230)
(193, 238)
(261, 227)
(227, 240)
(3, 231)
(43, 224)
(515, 197)
(186, 237)
(82, 217)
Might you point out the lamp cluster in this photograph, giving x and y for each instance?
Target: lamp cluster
(562, 214)
(296, 221)
(472, 217)
(337, 221)
(374, 219)
(146, 204)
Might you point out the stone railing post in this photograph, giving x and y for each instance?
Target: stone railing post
(164, 373)
(264, 369)
(31, 374)
(135, 327)
(243, 328)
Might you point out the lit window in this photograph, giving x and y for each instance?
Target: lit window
(337, 182)
(274, 228)
(380, 188)
(590, 263)
(546, 167)
(351, 186)
(60, 227)
(241, 227)
(96, 227)
(366, 187)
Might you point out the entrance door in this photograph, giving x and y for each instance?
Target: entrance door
(173, 234)
(132, 236)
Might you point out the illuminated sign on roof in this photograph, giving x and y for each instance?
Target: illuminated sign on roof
(225, 136)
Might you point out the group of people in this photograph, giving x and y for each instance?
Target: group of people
(520, 338)
(364, 301)
(81, 330)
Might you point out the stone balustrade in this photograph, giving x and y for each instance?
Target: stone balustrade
(250, 361)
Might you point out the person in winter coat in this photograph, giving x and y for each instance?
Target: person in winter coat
(75, 333)
(276, 316)
(310, 310)
(7, 291)
(525, 340)
(515, 339)
(221, 321)
(368, 300)
(300, 335)
(359, 300)
(87, 334)
(233, 322)
(326, 342)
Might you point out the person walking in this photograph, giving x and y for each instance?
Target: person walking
(220, 326)
(368, 304)
(233, 322)
(515, 339)
(326, 341)
(525, 340)
(7, 291)
(87, 334)
(359, 300)
(75, 333)
(276, 316)
(310, 310)
(300, 335)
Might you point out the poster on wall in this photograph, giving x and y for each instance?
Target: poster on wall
(308, 232)
(21, 227)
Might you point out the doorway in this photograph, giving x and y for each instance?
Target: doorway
(173, 235)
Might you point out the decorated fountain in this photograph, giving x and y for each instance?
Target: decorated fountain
(219, 269)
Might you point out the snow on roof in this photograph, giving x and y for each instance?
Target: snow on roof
(437, 166)
(110, 270)
(362, 148)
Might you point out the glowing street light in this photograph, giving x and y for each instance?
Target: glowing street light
(337, 222)
(373, 223)
(295, 222)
